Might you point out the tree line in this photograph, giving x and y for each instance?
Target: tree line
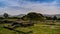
(31, 16)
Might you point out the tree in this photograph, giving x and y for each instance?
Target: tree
(5, 15)
(1, 18)
(35, 16)
(54, 18)
(32, 16)
(58, 18)
(49, 18)
(24, 17)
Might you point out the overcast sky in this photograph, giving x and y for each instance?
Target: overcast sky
(15, 7)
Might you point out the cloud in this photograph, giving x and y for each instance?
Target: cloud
(15, 7)
(41, 1)
(41, 8)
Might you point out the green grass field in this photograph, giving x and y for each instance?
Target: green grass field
(38, 28)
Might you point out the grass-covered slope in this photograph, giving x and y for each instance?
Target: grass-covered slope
(38, 28)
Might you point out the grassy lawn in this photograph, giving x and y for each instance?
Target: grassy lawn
(38, 28)
(42, 29)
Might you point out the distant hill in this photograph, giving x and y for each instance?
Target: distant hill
(1, 15)
(57, 15)
(21, 15)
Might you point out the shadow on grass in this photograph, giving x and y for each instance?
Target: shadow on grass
(18, 31)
